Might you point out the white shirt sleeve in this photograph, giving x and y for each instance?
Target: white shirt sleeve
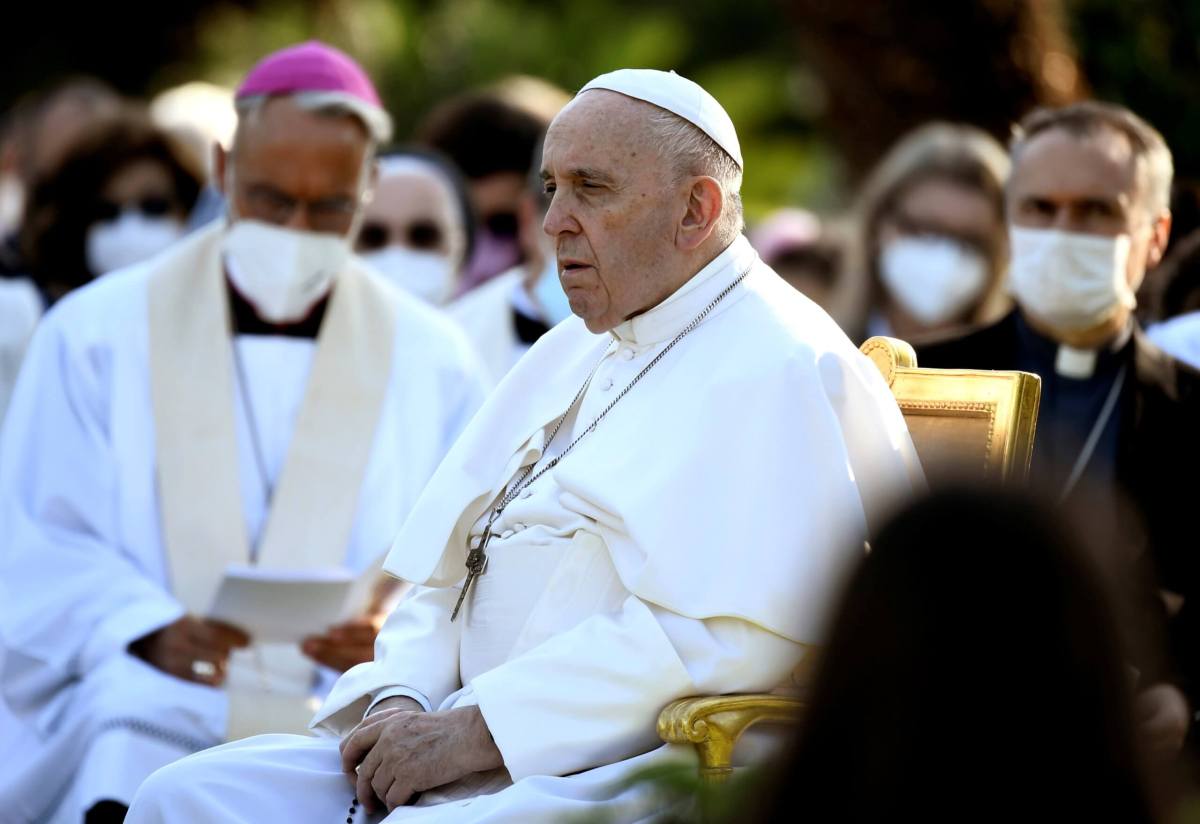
(399, 692)
(592, 695)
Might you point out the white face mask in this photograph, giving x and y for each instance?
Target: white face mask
(283, 272)
(1070, 280)
(426, 275)
(549, 294)
(934, 279)
(131, 238)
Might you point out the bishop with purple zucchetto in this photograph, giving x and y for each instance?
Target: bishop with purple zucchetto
(254, 398)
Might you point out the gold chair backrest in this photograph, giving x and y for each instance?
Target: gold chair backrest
(965, 424)
(972, 424)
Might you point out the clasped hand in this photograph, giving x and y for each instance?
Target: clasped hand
(398, 751)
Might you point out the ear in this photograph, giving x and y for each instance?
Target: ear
(1160, 234)
(220, 163)
(706, 204)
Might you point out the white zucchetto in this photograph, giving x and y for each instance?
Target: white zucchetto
(678, 95)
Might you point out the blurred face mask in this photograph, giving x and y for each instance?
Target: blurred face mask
(934, 279)
(283, 272)
(131, 238)
(497, 249)
(426, 275)
(1070, 280)
(549, 294)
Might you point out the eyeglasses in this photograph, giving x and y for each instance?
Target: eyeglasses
(154, 205)
(421, 234)
(329, 214)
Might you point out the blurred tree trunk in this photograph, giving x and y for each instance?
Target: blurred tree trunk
(888, 67)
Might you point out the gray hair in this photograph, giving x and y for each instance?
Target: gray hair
(691, 152)
(375, 120)
(1155, 168)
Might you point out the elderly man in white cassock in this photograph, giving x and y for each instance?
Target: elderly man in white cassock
(253, 396)
(658, 501)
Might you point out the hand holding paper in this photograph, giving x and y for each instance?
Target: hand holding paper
(191, 648)
(286, 606)
(344, 645)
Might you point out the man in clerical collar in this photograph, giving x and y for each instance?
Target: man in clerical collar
(1088, 215)
(660, 500)
(252, 396)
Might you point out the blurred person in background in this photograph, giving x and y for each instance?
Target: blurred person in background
(119, 196)
(973, 672)
(193, 412)
(507, 315)
(201, 115)
(1088, 216)
(808, 255)
(931, 244)
(1175, 302)
(418, 229)
(38, 132)
(491, 135)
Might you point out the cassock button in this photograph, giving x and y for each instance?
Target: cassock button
(627, 354)
(518, 527)
(606, 385)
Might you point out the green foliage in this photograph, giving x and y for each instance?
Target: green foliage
(420, 52)
(1144, 53)
(678, 789)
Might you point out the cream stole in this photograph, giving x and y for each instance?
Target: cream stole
(316, 498)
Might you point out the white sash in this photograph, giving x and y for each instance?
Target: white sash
(314, 508)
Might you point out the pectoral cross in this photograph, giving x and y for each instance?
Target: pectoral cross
(476, 565)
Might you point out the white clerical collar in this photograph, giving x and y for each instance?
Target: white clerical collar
(665, 320)
(520, 299)
(1080, 364)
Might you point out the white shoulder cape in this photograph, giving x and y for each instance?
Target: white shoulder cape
(740, 478)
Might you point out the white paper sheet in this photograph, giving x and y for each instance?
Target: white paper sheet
(286, 605)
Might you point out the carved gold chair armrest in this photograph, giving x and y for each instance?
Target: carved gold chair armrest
(713, 725)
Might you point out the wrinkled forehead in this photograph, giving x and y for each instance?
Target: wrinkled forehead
(411, 173)
(281, 120)
(411, 191)
(1062, 161)
(600, 129)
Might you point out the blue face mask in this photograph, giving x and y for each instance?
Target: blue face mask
(549, 294)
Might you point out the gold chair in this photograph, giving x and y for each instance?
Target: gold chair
(965, 425)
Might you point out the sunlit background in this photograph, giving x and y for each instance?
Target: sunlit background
(817, 88)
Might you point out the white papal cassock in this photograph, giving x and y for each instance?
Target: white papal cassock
(690, 544)
(83, 555)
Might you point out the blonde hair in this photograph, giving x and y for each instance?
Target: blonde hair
(954, 152)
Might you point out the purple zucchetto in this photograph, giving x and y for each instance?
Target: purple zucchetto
(322, 75)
